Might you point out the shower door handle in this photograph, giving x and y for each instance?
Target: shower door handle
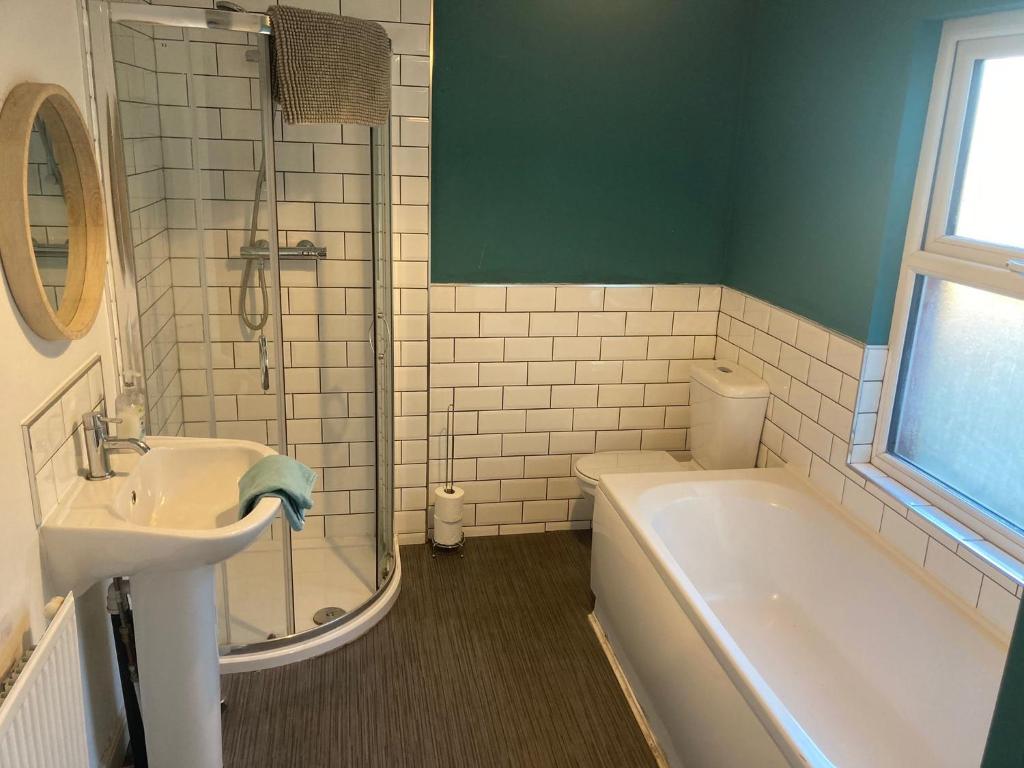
(371, 332)
(386, 338)
(264, 364)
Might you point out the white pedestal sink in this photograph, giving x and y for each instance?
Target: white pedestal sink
(164, 520)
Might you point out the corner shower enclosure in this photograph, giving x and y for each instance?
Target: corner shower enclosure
(254, 298)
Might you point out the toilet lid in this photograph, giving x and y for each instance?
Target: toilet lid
(593, 466)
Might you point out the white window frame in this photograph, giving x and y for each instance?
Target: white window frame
(930, 251)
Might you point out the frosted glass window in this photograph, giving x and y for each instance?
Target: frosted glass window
(959, 413)
(990, 207)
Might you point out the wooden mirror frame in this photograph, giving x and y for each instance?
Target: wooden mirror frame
(83, 196)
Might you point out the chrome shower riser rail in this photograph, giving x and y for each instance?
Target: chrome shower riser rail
(267, 123)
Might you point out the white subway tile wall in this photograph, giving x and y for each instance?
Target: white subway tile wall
(52, 435)
(135, 68)
(822, 413)
(323, 183)
(542, 374)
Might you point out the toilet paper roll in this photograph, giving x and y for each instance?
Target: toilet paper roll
(447, 534)
(448, 506)
(448, 516)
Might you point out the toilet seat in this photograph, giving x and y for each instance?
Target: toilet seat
(589, 469)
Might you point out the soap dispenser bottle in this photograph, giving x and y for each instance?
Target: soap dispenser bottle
(130, 408)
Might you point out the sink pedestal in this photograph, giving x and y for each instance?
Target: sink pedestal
(179, 676)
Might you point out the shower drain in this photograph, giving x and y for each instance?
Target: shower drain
(330, 613)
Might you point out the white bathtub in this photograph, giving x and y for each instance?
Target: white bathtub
(760, 626)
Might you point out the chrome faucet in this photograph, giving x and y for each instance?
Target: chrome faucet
(99, 444)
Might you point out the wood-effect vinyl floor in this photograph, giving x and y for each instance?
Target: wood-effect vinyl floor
(483, 661)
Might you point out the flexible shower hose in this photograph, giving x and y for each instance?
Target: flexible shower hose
(255, 325)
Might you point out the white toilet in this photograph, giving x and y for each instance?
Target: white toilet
(727, 409)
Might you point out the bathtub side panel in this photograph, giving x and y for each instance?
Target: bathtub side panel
(697, 715)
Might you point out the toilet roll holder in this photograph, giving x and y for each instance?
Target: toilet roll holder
(449, 483)
(448, 549)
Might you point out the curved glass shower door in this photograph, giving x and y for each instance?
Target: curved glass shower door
(256, 269)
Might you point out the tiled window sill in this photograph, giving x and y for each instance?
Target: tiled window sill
(984, 556)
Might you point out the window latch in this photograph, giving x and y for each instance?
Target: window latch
(1016, 265)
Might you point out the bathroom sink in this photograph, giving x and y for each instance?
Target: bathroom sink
(173, 508)
(164, 520)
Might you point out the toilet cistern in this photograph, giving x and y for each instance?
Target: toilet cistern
(727, 409)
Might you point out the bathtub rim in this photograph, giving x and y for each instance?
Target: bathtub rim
(789, 736)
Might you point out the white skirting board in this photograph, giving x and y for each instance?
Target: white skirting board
(42, 719)
(627, 691)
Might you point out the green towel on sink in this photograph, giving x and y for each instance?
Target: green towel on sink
(283, 477)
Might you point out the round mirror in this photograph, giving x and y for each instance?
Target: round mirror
(52, 226)
(47, 208)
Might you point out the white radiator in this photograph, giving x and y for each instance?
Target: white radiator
(42, 719)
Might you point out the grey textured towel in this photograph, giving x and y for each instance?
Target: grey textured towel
(329, 68)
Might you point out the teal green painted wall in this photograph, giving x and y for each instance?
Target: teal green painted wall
(828, 150)
(603, 142)
(583, 141)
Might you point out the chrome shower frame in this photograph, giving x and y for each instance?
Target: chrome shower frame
(270, 179)
(191, 18)
(101, 14)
